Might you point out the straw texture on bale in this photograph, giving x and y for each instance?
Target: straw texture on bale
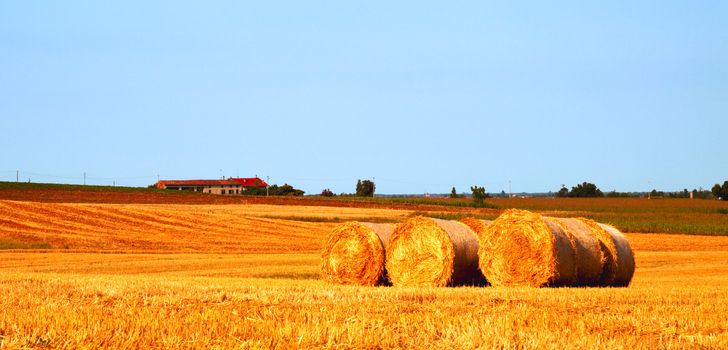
(587, 250)
(432, 252)
(625, 257)
(609, 251)
(521, 248)
(354, 254)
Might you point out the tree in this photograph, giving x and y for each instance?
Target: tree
(327, 193)
(285, 190)
(275, 190)
(479, 195)
(585, 189)
(365, 188)
(721, 192)
(716, 190)
(253, 191)
(454, 193)
(563, 192)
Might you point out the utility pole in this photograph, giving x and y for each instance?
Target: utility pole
(510, 193)
(267, 179)
(17, 175)
(84, 178)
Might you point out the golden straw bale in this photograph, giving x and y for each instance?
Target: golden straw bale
(432, 252)
(354, 254)
(521, 248)
(609, 251)
(625, 257)
(589, 256)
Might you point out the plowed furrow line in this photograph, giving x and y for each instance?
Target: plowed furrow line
(196, 221)
(137, 223)
(9, 228)
(175, 220)
(44, 221)
(52, 215)
(91, 222)
(70, 225)
(289, 225)
(97, 218)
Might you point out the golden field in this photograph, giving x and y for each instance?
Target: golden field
(246, 276)
(175, 227)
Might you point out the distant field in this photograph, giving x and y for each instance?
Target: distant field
(681, 216)
(242, 228)
(702, 217)
(55, 193)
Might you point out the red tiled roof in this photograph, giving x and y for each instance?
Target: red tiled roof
(249, 181)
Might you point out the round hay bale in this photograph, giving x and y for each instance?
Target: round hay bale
(354, 254)
(521, 248)
(432, 252)
(625, 257)
(609, 252)
(589, 256)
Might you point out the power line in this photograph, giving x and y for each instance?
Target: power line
(84, 178)
(88, 177)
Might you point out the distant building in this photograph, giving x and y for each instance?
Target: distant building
(229, 186)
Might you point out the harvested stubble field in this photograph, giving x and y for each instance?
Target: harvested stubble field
(245, 228)
(682, 216)
(247, 276)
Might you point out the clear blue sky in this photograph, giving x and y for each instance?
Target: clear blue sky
(421, 96)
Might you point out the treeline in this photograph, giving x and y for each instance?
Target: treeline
(364, 188)
(582, 190)
(704, 194)
(275, 190)
(590, 190)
